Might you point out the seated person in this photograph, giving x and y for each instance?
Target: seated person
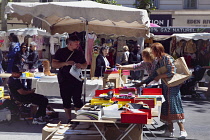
(20, 93)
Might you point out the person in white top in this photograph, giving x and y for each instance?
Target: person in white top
(125, 56)
(101, 62)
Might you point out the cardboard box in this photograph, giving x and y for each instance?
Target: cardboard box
(125, 72)
(114, 80)
(152, 91)
(121, 99)
(149, 111)
(112, 133)
(1, 91)
(112, 113)
(127, 90)
(111, 74)
(130, 117)
(98, 101)
(151, 102)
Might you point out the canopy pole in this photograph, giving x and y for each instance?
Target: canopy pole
(85, 74)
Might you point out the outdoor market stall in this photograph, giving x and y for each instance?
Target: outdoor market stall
(83, 16)
(43, 39)
(109, 120)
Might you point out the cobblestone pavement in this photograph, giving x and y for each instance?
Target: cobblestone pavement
(197, 113)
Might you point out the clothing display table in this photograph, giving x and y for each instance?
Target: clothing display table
(50, 87)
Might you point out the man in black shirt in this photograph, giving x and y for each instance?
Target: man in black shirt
(70, 87)
(20, 93)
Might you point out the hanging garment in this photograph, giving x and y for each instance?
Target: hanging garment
(91, 38)
(39, 41)
(63, 42)
(21, 38)
(93, 63)
(190, 47)
(52, 46)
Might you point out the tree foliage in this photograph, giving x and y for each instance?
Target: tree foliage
(107, 1)
(145, 4)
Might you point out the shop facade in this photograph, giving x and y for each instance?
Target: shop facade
(181, 18)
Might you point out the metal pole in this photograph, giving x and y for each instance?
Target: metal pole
(86, 44)
(3, 15)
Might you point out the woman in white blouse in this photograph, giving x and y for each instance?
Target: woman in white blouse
(101, 62)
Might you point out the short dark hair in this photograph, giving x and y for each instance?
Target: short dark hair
(103, 48)
(11, 34)
(73, 38)
(23, 44)
(16, 69)
(14, 38)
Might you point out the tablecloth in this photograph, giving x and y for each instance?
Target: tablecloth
(50, 86)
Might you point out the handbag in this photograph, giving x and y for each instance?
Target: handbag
(181, 75)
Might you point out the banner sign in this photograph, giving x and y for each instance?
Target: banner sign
(161, 20)
(173, 30)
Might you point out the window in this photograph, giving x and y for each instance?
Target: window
(155, 3)
(190, 4)
(45, 0)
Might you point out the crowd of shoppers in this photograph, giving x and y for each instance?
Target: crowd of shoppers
(149, 59)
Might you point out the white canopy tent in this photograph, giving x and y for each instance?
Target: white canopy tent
(184, 36)
(194, 36)
(59, 17)
(28, 31)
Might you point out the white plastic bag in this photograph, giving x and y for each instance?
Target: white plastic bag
(77, 73)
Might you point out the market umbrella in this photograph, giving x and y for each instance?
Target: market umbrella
(59, 17)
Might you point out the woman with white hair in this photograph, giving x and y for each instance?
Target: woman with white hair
(125, 55)
(32, 61)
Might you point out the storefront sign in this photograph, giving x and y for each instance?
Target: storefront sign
(198, 21)
(161, 20)
(172, 30)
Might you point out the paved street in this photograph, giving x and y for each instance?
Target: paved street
(197, 113)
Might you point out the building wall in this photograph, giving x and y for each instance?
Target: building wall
(179, 4)
(182, 17)
(170, 4)
(127, 3)
(29, 0)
